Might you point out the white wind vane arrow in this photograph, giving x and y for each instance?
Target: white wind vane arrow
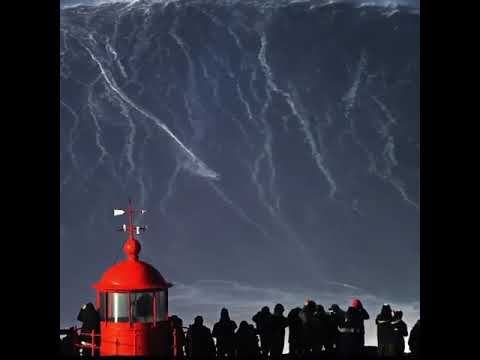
(118, 212)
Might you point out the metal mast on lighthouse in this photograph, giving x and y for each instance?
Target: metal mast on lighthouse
(132, 246)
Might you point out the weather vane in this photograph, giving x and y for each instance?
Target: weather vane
(131, 228)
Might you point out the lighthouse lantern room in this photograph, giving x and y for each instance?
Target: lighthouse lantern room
(132, 301)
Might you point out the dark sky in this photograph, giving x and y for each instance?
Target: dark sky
(276, 150)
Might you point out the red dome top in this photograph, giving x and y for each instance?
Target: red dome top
(131, 274)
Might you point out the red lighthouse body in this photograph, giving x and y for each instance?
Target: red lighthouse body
(132, 301)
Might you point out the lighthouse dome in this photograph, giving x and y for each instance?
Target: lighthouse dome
(131, 274)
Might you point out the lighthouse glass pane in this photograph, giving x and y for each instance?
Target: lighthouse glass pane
(118, 303)
(142, 307)
(161, 305)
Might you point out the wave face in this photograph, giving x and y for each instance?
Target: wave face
(271, 145)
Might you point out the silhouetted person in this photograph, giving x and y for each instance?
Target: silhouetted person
(279, 323)
(337, 317)
(257, 339)
(263, 321)
(90, 320)
(178, 340)
(399, 331)
(224, 332)
(67, 344)
(322, 330)
(414, 340)
(357, 304)
(246, 342)
(384, 331)
(199, 341)
(309, 326)
(295, 332)
(351, 334)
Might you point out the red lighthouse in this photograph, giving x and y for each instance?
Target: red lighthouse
(132, 301)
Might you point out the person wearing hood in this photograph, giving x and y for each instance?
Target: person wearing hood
(200, 343)
(279, 323)
(384, 330)
(246, 342)
(399, 331)
(337, 317)
(224, 332)
(295, 333)
(263, 321)
(350, 342)
(414, 339)
(90, 320)
(357, 304)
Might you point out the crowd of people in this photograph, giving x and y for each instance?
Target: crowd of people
(313, 332)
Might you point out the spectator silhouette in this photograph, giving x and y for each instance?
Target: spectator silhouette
(322, 328)
(414, 340)
(257, 340)
(263, 321)
(199, 341)
(246, 342)
(90, 320)
(337, 317)
(309, 326)
(350, 334)
(399, 331)
(177, 337)
(384, 331)
(279, 323)
(295, 332)
(357, 304)
(224, 332)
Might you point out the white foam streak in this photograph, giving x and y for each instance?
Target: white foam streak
(170, 188)
(199, 167)
(306, 128)
(71, 135)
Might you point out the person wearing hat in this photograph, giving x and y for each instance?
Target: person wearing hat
(357, 305)
(350, 344)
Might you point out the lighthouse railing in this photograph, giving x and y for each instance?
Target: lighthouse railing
(91, 345)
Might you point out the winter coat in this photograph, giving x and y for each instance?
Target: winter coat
(224, 332)
(399, 331)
